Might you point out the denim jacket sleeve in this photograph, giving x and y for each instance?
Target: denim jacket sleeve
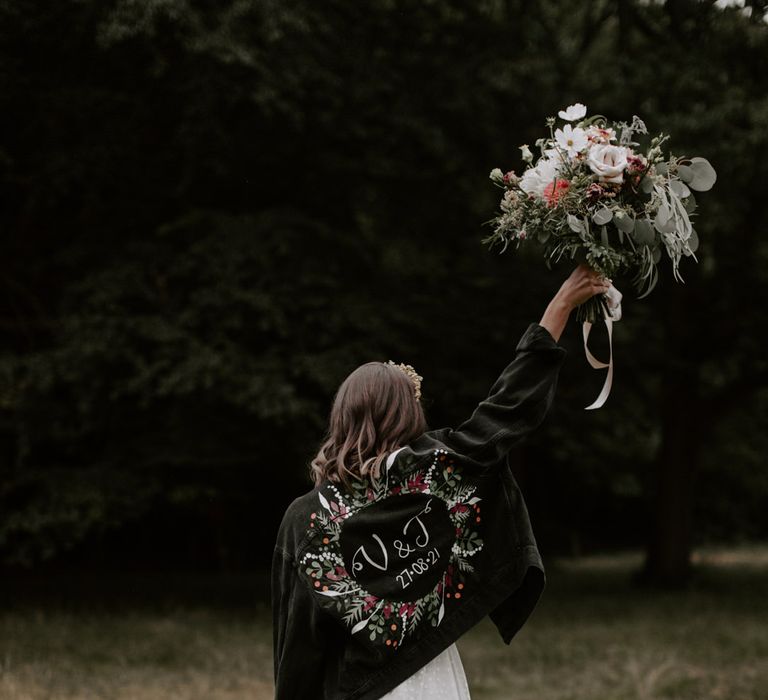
(516, 404)
(298, 646)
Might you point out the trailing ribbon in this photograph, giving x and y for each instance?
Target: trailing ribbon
(613, 299)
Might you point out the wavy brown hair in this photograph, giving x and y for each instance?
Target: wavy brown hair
(375, 411)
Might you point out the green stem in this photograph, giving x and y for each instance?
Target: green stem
(593, 309)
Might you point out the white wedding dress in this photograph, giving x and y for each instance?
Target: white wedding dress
(441, 679)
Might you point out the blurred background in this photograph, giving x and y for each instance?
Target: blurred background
(212, 212)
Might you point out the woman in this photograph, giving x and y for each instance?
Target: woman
(410, 537)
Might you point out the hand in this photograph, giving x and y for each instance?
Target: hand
(582, 284)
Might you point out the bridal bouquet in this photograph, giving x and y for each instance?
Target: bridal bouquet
(596, 194)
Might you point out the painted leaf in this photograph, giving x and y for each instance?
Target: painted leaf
(332, 594)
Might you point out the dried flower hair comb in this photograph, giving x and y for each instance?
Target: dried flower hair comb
(412, 375)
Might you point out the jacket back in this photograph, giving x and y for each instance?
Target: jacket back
(369, 583)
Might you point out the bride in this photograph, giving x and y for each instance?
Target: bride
(411, 536)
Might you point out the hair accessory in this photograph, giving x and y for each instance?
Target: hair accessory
(412, 375)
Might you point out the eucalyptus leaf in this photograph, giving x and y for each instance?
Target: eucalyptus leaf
(543, 235)
(654, 279)
(679, 188)
(623, 222)
(669, 227)
(646, 184)
(661, 168)
(644, 233)
(576, 225)
(693, 241)
(690, 204)
(656, 253)
(586, 232)
(662, 216)
(604, 236)
(602, 216)
(685, 173)
(704, 175)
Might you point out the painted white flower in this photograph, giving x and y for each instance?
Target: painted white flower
(608, 162)
(573, 112)
(571, 140)
(534, 180)
(526, 153)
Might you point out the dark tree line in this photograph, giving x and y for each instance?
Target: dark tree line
(212, 212)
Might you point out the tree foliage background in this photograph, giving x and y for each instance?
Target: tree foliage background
(212, 212)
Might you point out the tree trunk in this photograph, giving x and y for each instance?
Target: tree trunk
(668, 555)
(683, 424)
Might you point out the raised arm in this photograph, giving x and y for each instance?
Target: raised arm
(520, 398)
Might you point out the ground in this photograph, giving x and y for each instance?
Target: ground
(592, 637)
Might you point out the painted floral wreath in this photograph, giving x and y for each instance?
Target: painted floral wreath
(388, 621)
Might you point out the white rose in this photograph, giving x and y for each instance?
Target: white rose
(534, 180)
(529, 181)
(496, 174)
(608, 162)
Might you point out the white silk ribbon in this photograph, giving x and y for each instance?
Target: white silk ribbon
(613, 298)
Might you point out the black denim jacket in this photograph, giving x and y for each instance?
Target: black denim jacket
(371, 583)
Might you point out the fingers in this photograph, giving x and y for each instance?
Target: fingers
(589, 282)
(599, 278)
(599, 283)
(591, 274)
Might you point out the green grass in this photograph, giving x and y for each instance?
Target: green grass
(184, 654)
(592, 637)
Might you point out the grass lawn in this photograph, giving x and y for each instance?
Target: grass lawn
(592, 637)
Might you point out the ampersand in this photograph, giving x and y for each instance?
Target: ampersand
(403, 549)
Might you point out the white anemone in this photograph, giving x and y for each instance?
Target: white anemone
(571, 140)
